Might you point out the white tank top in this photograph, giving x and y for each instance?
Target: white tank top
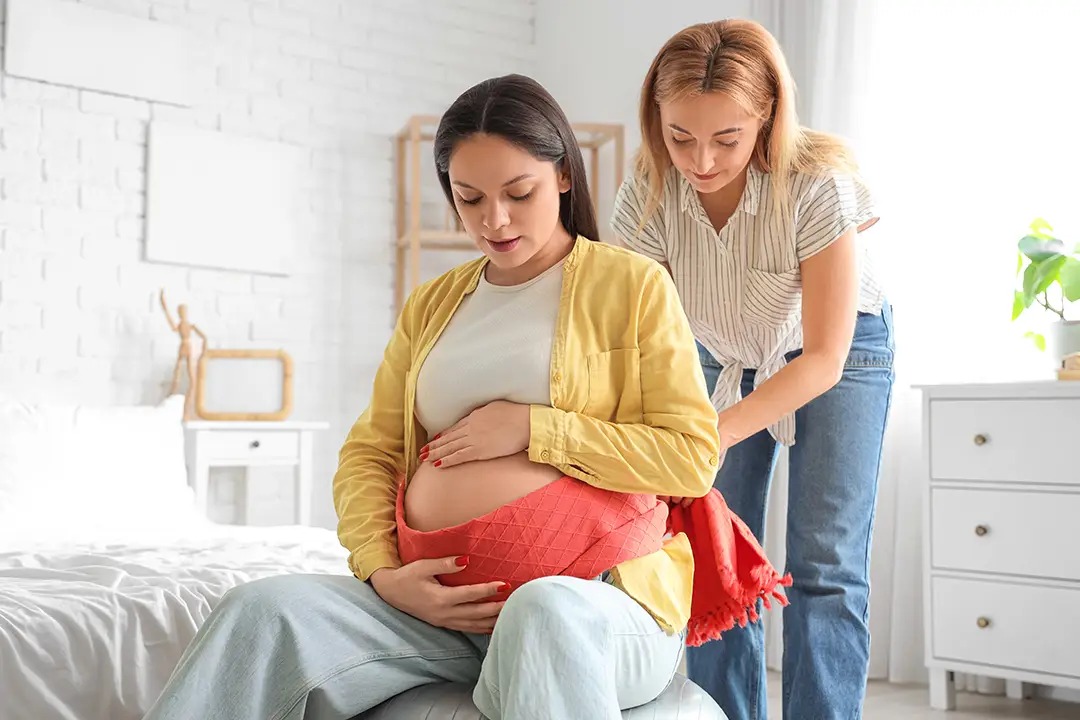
(497, 346)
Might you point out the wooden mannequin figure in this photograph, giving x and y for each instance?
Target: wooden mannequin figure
(187, 358)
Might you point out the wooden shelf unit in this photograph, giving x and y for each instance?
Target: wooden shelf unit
(412, 238)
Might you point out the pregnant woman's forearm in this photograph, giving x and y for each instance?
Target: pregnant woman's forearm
(364, 496)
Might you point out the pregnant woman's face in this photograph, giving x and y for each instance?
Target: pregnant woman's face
(507, 199)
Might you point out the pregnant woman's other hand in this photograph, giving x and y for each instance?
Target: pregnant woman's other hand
(415, 589)
(495, 430)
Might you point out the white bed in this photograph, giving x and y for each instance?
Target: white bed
(106, 569)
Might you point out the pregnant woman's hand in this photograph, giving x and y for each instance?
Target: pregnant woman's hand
(495, 430)
(414, 589)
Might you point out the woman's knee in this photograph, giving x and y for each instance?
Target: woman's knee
(547, 602)
(824, 571)
(270, 596)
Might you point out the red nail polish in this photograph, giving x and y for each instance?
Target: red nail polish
(437, 436)
(423, 457)
(438, 463)
(461, 560)
(424, 450)
(504, 587)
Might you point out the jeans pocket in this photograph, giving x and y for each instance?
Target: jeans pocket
(710, 367)
(872, 344)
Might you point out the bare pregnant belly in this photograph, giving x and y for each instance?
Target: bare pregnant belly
(438, 498)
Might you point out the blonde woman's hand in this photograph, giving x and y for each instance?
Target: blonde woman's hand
(495, 430)
(672, 500)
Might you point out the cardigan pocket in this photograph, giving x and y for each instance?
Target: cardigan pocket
(615, 386)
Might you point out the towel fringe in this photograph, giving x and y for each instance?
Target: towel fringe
(711, 625)
(732, 573)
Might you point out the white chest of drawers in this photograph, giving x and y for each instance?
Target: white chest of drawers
(1002, 534)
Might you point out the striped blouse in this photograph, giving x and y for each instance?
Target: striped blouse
(741, 287)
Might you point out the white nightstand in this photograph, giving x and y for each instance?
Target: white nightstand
(251, 444)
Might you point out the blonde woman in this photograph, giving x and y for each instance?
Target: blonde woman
(759, 221)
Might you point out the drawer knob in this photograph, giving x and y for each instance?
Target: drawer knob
(254, 444)
(983, 622)
(981, 530)
(980, 439)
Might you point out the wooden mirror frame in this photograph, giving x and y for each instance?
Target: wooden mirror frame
(286, 390)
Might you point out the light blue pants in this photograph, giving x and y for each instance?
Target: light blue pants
(322, 647)
(832, 492)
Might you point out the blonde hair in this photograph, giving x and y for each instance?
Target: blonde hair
(741, 59)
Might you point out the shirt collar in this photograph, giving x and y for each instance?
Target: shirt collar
(748, 203)
(581, 246)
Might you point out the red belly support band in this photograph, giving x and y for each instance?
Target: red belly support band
(571, 528)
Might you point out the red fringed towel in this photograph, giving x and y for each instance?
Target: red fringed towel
(571, 528)
(731, 571)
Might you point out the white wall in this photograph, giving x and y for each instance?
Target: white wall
(593, 56)
(78, 313)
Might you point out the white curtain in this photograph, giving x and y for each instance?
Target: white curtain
(963, 114)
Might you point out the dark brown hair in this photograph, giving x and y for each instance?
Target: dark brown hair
(519, 110)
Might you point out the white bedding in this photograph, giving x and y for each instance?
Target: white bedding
(92, 630)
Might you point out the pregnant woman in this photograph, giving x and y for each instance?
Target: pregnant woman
(546, 392)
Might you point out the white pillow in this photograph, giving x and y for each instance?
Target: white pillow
(76, 469)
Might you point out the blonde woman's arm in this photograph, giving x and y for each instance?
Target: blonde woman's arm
(828, 218)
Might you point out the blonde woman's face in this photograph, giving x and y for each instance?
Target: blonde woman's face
(709, 138)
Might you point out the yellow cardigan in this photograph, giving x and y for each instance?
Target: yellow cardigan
(629, 411)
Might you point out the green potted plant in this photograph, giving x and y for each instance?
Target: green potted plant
(1049, 273)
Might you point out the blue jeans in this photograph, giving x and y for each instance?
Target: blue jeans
(832, 493)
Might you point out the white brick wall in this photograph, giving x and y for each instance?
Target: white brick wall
(79, 319)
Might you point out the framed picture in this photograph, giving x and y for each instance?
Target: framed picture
(220, 200)
(244, 385)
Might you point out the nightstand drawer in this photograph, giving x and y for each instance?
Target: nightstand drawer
(251, 446)
(1006, 440)
(997, 531)
(1024, 627)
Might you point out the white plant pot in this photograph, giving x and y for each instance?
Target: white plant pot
(1063, 339)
